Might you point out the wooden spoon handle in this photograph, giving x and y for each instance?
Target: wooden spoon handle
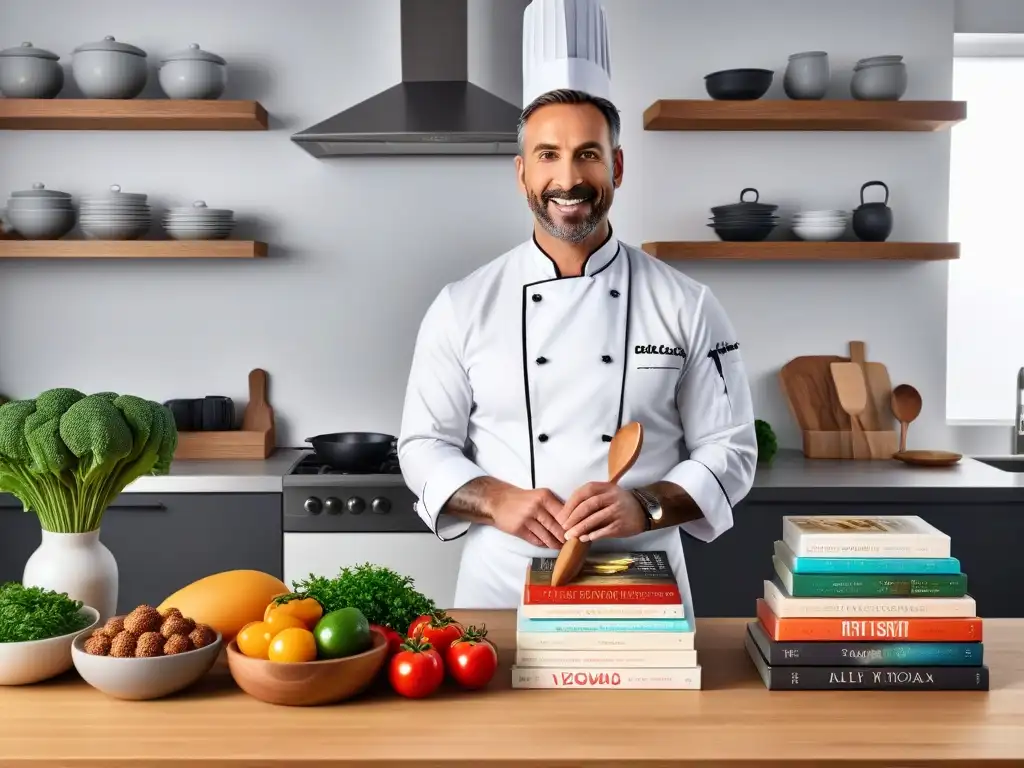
(569, 562)
(903, 435)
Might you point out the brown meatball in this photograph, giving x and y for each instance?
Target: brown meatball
(176, 625)
(143, 619)
(168, 612)
(98, 644)
(114, 625)
(123, 645)
(177, 644)
(150, 644)
(202, 636)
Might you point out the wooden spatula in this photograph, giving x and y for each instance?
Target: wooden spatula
(622, 454)
(259, 416)
(853, 395)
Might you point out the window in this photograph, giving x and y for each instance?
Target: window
(985, 319)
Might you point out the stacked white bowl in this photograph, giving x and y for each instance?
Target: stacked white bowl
(819, 225)
(197, 222)
(115, 215)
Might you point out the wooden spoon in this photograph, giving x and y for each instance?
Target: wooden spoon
(906, 406)
(853, 396)
(622, 454)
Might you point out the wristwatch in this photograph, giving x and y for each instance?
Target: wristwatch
(650, 505)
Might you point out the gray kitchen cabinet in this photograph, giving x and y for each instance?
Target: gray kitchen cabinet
(985, 527)
(164, 541)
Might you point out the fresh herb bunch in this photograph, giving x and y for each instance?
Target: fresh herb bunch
(34, 613)
(384, 596)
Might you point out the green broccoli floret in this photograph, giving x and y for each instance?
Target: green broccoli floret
(67, 456)
(767, 444)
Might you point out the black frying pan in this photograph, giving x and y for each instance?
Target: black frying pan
(353, 451)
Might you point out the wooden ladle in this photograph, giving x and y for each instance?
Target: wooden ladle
(906, 406)
(622, 454)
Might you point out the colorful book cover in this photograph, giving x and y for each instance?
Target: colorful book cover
(680, 678)
(915, 565)
(524, 624)
(785, 605)
(547, 657)
(606, 578)
(845, 677)
(631, 611)
(924, 630)
(863, 536)
(601, 641)
(867, 653)
(870, 584)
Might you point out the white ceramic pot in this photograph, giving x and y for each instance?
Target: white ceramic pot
(193, 74)
(109, 69)
(78, 564)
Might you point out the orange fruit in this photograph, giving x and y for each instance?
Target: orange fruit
(293, 645)
(278, 620)
(254, 639)
(306, 609)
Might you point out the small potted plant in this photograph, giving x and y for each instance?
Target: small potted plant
(66, 456)
(767, 443)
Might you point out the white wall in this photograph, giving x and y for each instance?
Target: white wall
(360, 246)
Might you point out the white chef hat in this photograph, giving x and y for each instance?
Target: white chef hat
(565, 45)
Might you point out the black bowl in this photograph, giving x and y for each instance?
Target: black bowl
(738, 84)
(747, 234)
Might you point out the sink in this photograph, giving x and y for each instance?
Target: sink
(1005, 463)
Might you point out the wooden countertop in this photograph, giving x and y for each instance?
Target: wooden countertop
(734, 721)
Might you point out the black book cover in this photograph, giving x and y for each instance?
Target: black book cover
(858, 653)
(836, 678)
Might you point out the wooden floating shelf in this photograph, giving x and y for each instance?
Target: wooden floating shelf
(132, 249)
(793, 115)
(131, 115)
(798, 250)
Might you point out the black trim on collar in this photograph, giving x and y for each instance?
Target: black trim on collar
(625, 343)
(583, 270)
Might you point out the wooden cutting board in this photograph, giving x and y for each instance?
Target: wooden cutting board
(807, 385)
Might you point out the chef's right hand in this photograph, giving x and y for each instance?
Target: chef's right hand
(530, 515)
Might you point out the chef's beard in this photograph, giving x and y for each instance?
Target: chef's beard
(574, 230)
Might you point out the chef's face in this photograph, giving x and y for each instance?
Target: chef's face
(569, 169)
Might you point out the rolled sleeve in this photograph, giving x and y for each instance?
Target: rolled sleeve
(716, 412)
(435, 421)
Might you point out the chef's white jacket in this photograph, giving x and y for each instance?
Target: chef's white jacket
(525, 375)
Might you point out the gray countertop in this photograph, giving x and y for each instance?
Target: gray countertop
(789, 470)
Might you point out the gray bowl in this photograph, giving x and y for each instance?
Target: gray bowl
(884, 81)
(43, 223)
(142, 679)
(193, 74)
(109, 70)
(27, 72)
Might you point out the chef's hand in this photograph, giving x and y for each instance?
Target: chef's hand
(530, 515)
(598, 510)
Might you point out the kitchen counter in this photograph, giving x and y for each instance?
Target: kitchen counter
(734, 721)
(222, 475)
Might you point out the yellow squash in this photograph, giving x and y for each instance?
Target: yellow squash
(227, 601)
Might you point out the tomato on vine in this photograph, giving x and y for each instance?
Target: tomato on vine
(437, 628)
(416, 670)
(472, 659)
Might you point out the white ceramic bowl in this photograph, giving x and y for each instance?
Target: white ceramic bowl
(142, 679)
(820, 232)
(37, 660)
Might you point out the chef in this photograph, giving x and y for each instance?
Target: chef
(524, 370)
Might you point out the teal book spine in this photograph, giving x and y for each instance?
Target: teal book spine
(914, 565)
(878, 585)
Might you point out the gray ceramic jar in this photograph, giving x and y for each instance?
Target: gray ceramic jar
(807, 75)
(193, 74)
(27, 72)
(109, 70)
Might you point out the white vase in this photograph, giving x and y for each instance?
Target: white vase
(79, 564)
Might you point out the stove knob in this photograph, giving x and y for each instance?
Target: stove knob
(356, 505)
(380, 505)
(333, 505)
(313, 505)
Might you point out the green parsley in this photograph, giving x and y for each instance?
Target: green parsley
(34, 613)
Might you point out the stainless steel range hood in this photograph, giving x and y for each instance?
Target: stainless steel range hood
(436, 110)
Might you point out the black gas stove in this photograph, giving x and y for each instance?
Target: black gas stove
(319, 498)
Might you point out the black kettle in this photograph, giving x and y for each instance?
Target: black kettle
(873, 221)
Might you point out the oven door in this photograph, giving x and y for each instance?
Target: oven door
(432, 564)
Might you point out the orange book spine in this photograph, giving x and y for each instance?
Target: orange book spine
(919, 630)
(573, 594)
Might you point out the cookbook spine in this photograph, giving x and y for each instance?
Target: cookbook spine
(600, 641)
(785, 605)
(600, 625)
(871, 584)
(620, 678)
(958, 630)
(615, 658)
(606, 611)
(574, 594)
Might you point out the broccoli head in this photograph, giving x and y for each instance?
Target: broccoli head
(67, 455)
(767, 443)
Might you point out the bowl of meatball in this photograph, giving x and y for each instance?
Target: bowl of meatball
(146, 654)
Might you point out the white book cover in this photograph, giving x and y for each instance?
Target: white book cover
(591, 611)
(621, 678)
(785, 605)
(863, 536)
(599, 641)
(527, 657)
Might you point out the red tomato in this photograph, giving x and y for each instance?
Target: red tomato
(394, 639)
(437, 628)
(416, 670)
(472, 660)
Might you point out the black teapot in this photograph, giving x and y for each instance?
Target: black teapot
(873, 221)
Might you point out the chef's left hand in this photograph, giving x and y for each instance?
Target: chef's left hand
(598, 510)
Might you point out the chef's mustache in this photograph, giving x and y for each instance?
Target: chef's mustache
(578, 192)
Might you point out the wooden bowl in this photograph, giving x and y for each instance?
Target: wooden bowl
(308, 683)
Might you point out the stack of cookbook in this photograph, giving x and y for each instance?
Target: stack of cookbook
(866, 602)
(619, 624)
